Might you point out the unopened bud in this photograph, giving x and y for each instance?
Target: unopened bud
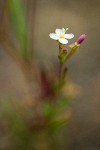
(81, 38)
(65, 50)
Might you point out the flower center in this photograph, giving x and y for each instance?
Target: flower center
(61, 36)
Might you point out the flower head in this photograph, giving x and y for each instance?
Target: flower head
(61, 36)
(81, 38)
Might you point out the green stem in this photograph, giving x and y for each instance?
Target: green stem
(60, 63)
(60, 72)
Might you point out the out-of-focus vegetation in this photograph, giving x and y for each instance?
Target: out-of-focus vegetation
(16, 76)
(39, 122)
(19, 26)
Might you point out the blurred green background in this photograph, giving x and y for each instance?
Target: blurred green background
(80, 16)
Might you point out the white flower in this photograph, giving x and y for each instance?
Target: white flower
(61, 36)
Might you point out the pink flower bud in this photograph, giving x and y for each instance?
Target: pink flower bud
(65, 50)
(81, 38)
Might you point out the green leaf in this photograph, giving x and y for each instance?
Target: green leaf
(19, 26)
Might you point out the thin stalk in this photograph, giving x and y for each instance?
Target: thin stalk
(60, 63)
(60, 71)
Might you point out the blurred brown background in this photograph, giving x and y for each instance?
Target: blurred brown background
(81, 16)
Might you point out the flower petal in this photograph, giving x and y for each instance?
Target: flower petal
(69, 36)
(63, 31)
(66, 29)
(63, 41)
(58, 32)
(53, 36)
